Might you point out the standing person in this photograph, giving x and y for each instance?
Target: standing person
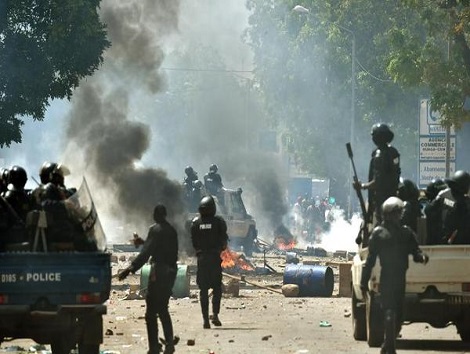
(162, 246)
(392, 243)
(209, 239)
(408, 192)
(212, 180)
(384, 171)
(432, 211)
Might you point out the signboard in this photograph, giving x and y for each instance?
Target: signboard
(433, 145)
(433, 170)
(434, 148)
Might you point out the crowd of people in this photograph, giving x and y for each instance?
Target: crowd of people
(310, 217)
(20, 211)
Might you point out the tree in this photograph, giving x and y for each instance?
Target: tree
(46, 48)
(437, 56)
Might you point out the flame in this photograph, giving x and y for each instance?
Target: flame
(231, 259)
(284, 245)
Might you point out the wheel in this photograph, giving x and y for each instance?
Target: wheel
(60, 346)
(375, 322)
(463, 327)
(88, 348)
(358, 318)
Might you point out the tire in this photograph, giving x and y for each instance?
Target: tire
(359, 322)
(463, 327)
(88, 348)
(375, 322)
(59, 346)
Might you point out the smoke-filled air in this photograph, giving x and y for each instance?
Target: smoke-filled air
(176, 89)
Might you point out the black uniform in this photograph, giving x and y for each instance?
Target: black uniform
(162, 246)
(392, 243)
(213, 182)
(209, 239)
(384, 170)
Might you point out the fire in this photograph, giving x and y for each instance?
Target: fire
(231, 259)
(283, 244)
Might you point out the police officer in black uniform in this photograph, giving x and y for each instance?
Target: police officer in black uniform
(162, 246)
(408, 192)
(384, 170)
(212, 180)
(392, 243)
(3, 179)
(209, 239)
(452, 203)
(15, 194)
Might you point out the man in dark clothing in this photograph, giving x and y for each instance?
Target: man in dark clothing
(212, 180)
(432, 212)
(392, 243)
(408, 192)
(209, 239)
(162, 246)
(450, 212)
(384, 171)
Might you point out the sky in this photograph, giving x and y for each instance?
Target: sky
(126, 132)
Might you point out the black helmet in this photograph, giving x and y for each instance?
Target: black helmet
(159, 213)
(434, 187)
(17, 177)
(4, 175)
(459, 182)
(407, 190)
(391, 205)
(207, 206)
(213, 168)
(188, 170)
(45, 171)
(381, 134)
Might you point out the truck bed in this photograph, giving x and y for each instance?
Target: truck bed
(49, 280)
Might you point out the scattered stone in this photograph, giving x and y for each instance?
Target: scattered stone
(290, 290)
(191, 342)
(266, 337)
(109, 332)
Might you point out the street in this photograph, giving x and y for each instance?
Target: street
(257, 321)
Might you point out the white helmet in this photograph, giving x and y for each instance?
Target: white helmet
(392, 204)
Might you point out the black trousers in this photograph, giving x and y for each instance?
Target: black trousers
(209, 276)
(392, 292)
(158, 297)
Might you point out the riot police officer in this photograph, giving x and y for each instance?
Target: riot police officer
(392, 243)
(209, 239)
(3, 179)
(212, 180)
(384, 170)
(408, 192)
(162, 246)
(15, 194)
(450, 210)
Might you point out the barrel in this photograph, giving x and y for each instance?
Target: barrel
(313, 280)
(182, 282)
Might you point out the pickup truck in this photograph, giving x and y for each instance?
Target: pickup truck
(53, 296)
(437, 293)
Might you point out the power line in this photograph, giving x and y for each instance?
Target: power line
(370, 74)
(207, 70)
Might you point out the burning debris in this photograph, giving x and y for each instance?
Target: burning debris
(283, 238)
(235, 262)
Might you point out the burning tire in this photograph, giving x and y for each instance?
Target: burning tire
(375, 325)
(359, 322)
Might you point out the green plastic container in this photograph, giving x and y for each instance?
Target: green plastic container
(182, 282)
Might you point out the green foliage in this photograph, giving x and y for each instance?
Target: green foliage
(46, 48)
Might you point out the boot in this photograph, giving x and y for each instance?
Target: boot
(169, 349)
(216, 321)
(206, 324)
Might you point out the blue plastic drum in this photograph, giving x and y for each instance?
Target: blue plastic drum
(313, 280)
